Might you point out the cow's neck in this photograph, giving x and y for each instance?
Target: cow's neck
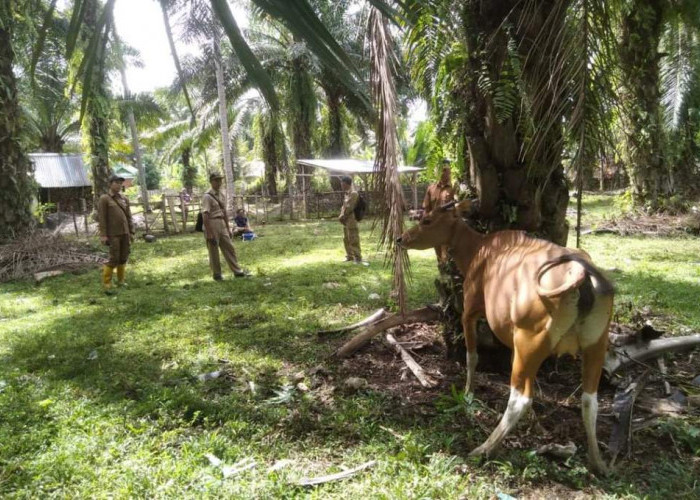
(464, 245)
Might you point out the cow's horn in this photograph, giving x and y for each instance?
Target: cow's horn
(448, 206)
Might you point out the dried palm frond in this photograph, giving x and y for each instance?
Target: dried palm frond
(42, 251)
(386, 174)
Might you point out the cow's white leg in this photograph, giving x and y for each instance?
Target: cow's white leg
(472, 360)
(518, 404)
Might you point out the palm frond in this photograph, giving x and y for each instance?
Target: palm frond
(386, 175)
(245, 55)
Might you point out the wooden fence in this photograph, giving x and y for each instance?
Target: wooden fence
(172, 215)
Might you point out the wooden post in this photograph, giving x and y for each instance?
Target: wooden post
(171, 207)
(165, 217)
(183, 208)
(75, 222)
(318, 205)
(415, 190)
(83, 209)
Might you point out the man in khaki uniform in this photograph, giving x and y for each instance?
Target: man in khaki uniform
(438, 194)
(351, 231)
(217, 230)
(116, 230)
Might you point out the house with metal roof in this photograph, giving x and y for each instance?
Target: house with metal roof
(62, 179)
(128, 172)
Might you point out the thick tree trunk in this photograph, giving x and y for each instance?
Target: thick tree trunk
(270, 149)
(336, 146)
(302, 114)
(641, 34)
(519, 186)
(17, 188)
(97, 115)
(189, 173)
(223, 123)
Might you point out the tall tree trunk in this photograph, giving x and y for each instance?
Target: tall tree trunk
(135, 140)
(176, 59)
(97, 113)
(302, 114)
(641, 33)
(270, 149)
(336, 146)
(17, 188)
(223, 123)
(189, 173)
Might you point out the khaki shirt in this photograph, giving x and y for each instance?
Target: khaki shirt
(349, 204)
(437, 194)
(211, 206)
(114, 215)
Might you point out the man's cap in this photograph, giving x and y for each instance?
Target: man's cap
(116, 178)
(215, 175)
(346, 179)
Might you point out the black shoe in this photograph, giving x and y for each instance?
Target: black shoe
(218, 277)
(242, 274)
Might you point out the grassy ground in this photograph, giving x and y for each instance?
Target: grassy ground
(100, 396)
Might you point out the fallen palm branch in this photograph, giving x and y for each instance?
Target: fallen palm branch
(424, 314)
(377, 315)
(425, 380)
(43, 251)
(621, 356)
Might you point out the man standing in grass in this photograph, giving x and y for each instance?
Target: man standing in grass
(351, 231)
(116, 230)
(217, 230)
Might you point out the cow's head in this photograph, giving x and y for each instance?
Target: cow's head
(435, 228)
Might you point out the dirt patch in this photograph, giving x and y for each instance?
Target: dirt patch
(638, 223)
(557, 400)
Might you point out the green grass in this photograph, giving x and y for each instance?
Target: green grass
(136, 422)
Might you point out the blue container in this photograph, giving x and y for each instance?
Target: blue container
(248, 236)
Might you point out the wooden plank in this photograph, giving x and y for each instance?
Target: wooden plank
(165, 217)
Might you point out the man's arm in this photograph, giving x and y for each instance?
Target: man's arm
(208, 233)
(129, 220)
(102, 207)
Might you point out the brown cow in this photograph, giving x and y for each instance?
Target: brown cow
(539, 299)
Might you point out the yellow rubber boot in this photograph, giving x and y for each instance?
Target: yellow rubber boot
(121, 273)
(107, 279)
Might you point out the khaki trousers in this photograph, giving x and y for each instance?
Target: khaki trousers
(119, 249)
(351, 239)
(224, 243)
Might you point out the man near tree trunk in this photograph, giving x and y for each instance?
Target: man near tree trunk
(116, 230)
(438, 194)
(351, 231)
(217, 230)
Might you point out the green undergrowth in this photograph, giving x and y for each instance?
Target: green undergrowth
(101, 396)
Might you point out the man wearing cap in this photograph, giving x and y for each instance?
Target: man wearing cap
(217, 230)
(116, 230)
(438, 194)
(351, 231)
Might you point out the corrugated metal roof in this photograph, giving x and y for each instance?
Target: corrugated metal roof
(125, 171)
(351, 166)
(54, 170)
